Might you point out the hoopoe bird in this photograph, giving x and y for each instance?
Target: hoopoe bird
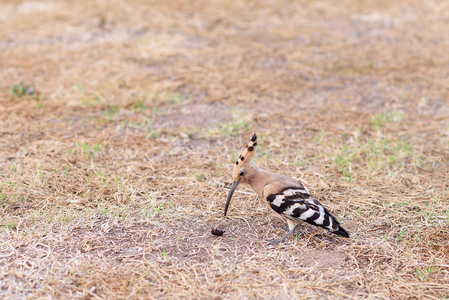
(284, 195)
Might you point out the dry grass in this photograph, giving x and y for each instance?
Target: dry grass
(115, 166)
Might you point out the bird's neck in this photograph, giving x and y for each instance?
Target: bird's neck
(259, 178)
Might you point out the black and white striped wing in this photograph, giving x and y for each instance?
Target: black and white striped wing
(296, 203)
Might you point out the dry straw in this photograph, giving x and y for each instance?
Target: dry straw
(116, 150)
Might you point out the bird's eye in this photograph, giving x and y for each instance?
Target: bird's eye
(242, 173)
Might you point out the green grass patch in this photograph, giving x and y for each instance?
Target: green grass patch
(90, 149)
(240, 123)
(111, 112)
(384, 151)
(21, 89)
(424, 273)
(11, 225)
(381, 120)
(88, 99)
(373, 154)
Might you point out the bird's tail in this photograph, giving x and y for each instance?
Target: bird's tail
(341, 232)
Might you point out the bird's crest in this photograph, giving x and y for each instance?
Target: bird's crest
(248, 153)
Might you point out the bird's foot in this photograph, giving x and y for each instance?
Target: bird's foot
(276, 242)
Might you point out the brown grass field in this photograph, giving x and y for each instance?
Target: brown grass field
(120, 123)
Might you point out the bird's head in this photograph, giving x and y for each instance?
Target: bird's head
(244, 168)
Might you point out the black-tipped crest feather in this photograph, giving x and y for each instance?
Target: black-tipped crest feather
(254, 138)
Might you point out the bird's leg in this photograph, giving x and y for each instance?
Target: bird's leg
(288, 233)
(275, 242)
(285, 228)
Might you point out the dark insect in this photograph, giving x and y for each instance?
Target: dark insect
(218, 232)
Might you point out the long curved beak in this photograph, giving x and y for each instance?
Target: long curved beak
(231, 191)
